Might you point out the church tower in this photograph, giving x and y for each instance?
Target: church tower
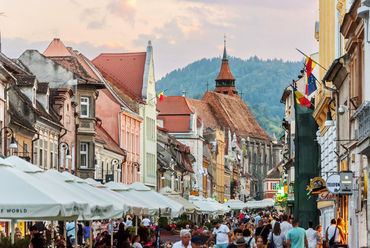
(225, 82)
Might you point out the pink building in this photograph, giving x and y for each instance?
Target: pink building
(123, 125)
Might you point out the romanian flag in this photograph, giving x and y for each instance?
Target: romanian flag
(160, 96)
(303, 101)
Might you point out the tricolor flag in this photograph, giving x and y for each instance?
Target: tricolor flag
(303, 101)
(160, 96)
(310, 78)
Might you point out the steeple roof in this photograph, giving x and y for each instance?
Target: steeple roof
(225, 73)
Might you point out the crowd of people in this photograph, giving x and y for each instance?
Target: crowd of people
(247, 230)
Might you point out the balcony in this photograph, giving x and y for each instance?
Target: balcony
(362, 114)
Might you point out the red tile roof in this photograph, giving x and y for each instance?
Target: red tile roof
(232, 113)
(123, 70)
(175, 113)
(109, 143)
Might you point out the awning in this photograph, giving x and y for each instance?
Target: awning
(190, 208)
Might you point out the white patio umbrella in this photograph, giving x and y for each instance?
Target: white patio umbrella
(27, 198)
(88, 205)
(190, 208)
(216, 203)
(134, 207)
(235, 204)
(205, 206)
(144, 197)
(260, 204)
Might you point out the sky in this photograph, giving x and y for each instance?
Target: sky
(181, 31)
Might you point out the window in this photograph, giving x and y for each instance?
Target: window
(275, 186)
(35, 149)
(41, 151)
(84, 151)
(56, 155)
(45, 153)
(85, 107)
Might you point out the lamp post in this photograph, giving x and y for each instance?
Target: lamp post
(113, 163)
(65, 146)
(13, 143)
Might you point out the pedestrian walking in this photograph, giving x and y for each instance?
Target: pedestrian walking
(296, 237)
(333, 234)
(319, 240)
(276, 237)
(263, 231)
(79, 233)
(195, 242)
(285, 226)
(247, 234)
(184, 240)
(259, 242)
(70, 227)
(86, 230)
(312, 235)
(223, 237)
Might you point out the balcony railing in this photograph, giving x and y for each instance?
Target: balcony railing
(362, 114)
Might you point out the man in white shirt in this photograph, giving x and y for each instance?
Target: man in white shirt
(145, 221)
(222, 233)
(331, 231)
(96, 225)
(185, 240)
(285, 226)
(312, 235)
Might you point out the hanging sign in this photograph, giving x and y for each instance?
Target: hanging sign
(333, 183)
(346, 178)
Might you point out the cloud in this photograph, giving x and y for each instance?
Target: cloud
(124, 9)
(94, 18)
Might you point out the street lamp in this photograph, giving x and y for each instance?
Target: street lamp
(113, 163)
(329, 121)
(13, 144)
(66, 146)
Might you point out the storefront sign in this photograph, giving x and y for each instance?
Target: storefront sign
(346, 178)
(326, 197)
(290, 197)
(333, 183)
(316, 183)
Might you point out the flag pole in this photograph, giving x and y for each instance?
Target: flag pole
(312, 59)
(157, 95)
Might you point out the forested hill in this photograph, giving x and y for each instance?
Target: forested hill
(261, 81)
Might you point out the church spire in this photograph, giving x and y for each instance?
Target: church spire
(225, 82)
(224, 58)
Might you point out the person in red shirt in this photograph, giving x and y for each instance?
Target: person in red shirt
(241, 216)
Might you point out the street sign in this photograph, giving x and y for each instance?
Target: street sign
(333, 183)
(346, 178)
(326, 197)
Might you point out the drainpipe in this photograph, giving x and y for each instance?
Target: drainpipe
(119, 128)
(32, 145)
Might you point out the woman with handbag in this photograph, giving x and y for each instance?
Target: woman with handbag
(276, 238)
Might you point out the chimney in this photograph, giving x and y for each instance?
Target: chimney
(184, 93)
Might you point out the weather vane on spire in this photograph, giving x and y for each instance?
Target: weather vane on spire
(225, 37)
